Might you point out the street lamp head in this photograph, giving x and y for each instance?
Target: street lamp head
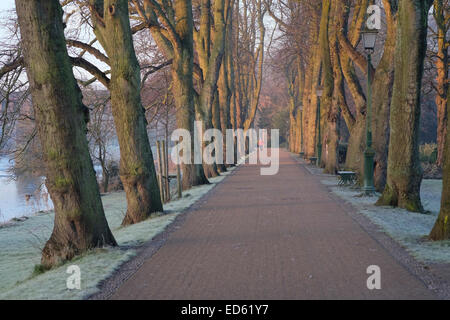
(319, 91)
(369, 39)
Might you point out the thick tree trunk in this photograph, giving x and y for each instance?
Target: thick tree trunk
(355, 123)
(441, 17)
(80, 222)
(309, 94)
(137, 170)
(338, 99)
(404, 175)
(329, 110)
(381, 99)
(441, 229)
(193, 174)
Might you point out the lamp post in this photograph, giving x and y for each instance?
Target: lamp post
(319, 93)
(369, 39)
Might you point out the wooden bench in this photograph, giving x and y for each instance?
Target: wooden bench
(171, 177)
(312, 160)
(346, 178)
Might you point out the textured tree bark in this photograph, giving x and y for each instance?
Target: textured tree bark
(338, 99)
(80, 222)
(137, 170)
(299, 118)
(441, 18)
(291, 76)
(329, 110)
(355, 123)
(382, 94)
(210, 48)
(309, 94)
(441, 229)
(404, 174)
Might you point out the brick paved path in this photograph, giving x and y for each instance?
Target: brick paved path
(270, 237)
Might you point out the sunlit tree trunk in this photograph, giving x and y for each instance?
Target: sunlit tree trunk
(441, 230)
(210, 46)
(329, 109)
(404, 174)
(349, 36)
(441, 15)
(382, 87)
(80, 222)
(299, 114)
(309, 94)
(137, 170)
(291, 76)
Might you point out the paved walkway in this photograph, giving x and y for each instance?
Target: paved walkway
(270, 237)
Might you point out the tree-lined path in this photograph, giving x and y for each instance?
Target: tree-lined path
(270, 237)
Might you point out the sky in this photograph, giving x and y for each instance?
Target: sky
(6, 5)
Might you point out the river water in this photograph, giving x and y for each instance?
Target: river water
(21, 196)
(27, 195)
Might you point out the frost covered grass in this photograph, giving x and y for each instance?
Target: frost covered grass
(408, 228)
(21, 244)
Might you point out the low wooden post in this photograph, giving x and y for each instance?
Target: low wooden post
(166, 171)
(179, 188)
(160, 180)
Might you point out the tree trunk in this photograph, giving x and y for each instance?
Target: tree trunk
(441, 17)
(80, 222)
(404, 175)
(137, 170)
(441, 229)
(177, 45)
(329, 109)
(309, 94)
(356, 123)
(217, 124)
(381, 99)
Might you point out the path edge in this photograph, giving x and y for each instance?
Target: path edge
(107, 287)
(421, 270)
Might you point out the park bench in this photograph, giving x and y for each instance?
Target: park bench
(312, 160)
(346, 178)
(170, 177)
(302, 155)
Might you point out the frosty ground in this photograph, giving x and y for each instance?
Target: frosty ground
(21, 244)
(408, 228)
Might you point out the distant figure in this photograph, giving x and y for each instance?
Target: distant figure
(27, 198)
(261, 144)
(44, 195)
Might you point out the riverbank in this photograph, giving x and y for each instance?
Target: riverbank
(21, 243)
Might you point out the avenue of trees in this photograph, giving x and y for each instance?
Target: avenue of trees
(323, 50)
(212, 57)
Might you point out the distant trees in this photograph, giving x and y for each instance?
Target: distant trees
(216, 51)
(172, 27)
(61, 117)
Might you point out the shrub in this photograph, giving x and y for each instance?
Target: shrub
(428, 152)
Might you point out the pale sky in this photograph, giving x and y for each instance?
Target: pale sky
(6, 5)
